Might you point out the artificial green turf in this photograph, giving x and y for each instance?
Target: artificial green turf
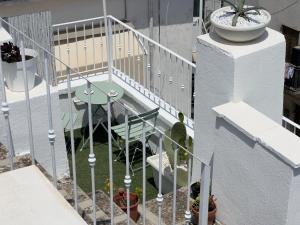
(102, 171)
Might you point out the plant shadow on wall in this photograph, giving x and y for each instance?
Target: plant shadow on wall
(240, 22)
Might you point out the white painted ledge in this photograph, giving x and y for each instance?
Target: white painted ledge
(263, 130)
(27, 197)
(4, 35)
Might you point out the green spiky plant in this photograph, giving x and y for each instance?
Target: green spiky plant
(241, 11)
(179, 135)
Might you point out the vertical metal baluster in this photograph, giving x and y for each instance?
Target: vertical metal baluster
(5, 111)
(171, 84)
(159, 76)
(124, 52)
(144, 174)
(119, 48)
(182, 89)
(159, 198)
(77, 54)
(109, 47)
(128, 54)
(92, 158)
(138, 64)
(93, 36)
(176, 85)
(204, 194)
(149, 67)
(144, 66)
(174, 187)
(68, 46)
(85, 48)
(133, 59)
(294, 130)
(74, 173)
(51, 132)
(101, 45)
(127, 180)
(28, 107)
(59, 52)
(114, 45)
(188, 215)
(110, 159)
(189, 89)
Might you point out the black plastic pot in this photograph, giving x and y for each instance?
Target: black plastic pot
(195, 190)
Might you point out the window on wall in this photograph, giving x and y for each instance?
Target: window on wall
(292, 40)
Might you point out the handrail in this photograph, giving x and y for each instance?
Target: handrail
(285, 119)
(154, 42)
(78, 21)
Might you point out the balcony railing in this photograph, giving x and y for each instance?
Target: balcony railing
(155, 71)
(133, 70)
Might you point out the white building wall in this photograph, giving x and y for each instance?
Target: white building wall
(251, 184)
(255, 163)
(20, 133)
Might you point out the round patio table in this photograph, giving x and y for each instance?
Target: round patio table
(99, 91)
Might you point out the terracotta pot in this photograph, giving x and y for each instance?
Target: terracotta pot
(134, 200)
(211, 216)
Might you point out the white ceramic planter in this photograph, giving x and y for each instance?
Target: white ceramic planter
(239, 34)
(167, 173)
(13, 72)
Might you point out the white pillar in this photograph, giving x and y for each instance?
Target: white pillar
(252, 72)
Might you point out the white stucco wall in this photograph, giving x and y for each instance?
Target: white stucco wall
(255, 168)
(226, 71)
(19, 128)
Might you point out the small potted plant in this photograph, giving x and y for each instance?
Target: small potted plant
(13, 66)
(121, 200)
(212, 210)
(240, 22)
(195, 190)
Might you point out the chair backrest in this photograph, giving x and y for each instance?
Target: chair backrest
(150, 115)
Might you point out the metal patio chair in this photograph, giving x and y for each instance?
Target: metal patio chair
(135, 133)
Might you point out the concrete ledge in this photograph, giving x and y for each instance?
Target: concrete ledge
(27, 197)
(263, 130)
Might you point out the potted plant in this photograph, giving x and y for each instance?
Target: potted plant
(121, 200)
(212, 210)
(195, 190)
(240, 22)
(177, 133)
(13, 66)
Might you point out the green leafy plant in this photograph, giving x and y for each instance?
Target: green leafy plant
(10, 53)
(240, 10)
(178, 134)
(211, 203)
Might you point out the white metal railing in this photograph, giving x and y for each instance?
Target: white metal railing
(152, 69)
(205, 167)
(290, 125)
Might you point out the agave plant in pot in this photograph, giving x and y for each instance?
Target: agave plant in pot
(240, 22)
(13, 66)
